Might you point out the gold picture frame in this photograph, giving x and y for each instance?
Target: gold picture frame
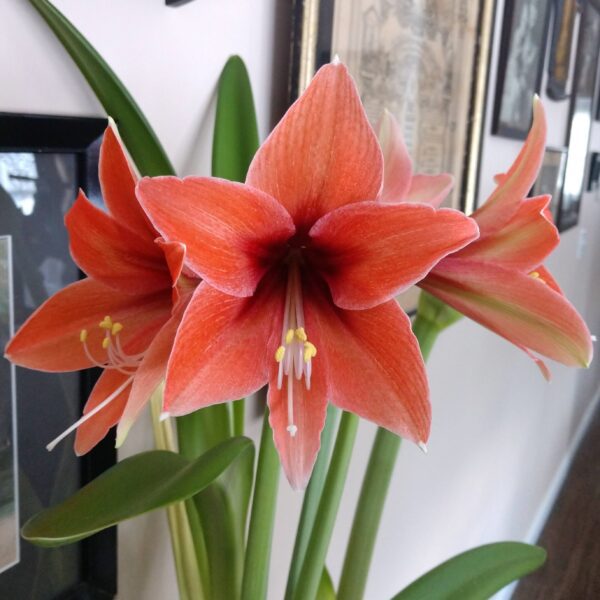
(388, 46)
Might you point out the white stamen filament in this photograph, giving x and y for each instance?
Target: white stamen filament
(89, 415)
(295, 353)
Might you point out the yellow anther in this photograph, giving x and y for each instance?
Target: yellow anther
(280, 353)
(534, 274)
(106, 342)
(301, 334)
(116, 328)
(106, 323)
(310, 351)
(83, 335)
(289, 336)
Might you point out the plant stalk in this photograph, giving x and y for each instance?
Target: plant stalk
(374, 490)
(262, 518)
(184, 554)
(314, 562)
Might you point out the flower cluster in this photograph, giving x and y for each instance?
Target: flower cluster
(289, 279)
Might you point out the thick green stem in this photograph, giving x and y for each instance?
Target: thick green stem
(374, 490)
(239, 414)
(310, 503)
(184, 553)
(262, 518)
(314, 562)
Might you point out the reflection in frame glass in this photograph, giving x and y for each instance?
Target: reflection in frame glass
(550, 178)
(427, 63)
(582, 101)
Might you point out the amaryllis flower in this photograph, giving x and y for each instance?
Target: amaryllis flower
(499, 279)
(122, 317)
(300, 266)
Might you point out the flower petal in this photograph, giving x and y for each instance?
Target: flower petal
(513, 186)
(117, 182)
(149, 374)
(547, 278)
(369, 252)
(429, 189)
(93, 431)
(516, 306)
(231, 231)
(49, 339)
(112, 254)
(298, 453)
(523, 243)
(323, 153)
(373, 364)
(225, 347)
(397, 165)
(174, 256)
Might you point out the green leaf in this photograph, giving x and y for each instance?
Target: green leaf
(235, 138)
(326, 590)
(476, 574)
(139, 138)
(137, 485)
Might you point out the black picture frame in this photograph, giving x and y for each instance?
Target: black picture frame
(524, 33)
(94, 560)
(581, 115)
(550, 179)
(559, 62)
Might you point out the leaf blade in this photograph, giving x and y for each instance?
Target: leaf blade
(476, 574)
(134, 486)
(138, 136)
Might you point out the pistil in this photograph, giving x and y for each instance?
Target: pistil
(296, 352)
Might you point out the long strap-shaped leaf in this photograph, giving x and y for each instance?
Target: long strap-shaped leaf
(140, 140)
(136, 485)
(476, 574)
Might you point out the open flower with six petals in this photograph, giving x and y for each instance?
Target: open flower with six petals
(300, 266)
(122, 317)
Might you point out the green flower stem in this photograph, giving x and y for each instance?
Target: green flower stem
(238, 416)
(311, 501)
(375, 488)
(262, 518)
(184, 553)
(314, 562)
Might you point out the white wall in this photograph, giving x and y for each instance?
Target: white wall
(499, 431)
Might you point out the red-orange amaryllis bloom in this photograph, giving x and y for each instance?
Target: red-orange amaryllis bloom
(499, 279)
(122, 317)
(300, 266)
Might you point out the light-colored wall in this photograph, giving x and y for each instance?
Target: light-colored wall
(499, 431)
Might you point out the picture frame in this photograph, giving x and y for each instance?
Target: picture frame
(550, 179)
(454, 38)
(581, 115)
(522, 53)
(43, 161)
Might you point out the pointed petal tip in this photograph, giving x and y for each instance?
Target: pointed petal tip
(164, 416)
(336, 60)
(593, 337)
(422, 447)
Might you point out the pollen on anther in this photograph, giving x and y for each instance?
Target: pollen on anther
(116, 328)
(310, 351)
(301, 334)
(106, 342)
(280, 353)
(83, 335)
(289, 336)
(106, 323)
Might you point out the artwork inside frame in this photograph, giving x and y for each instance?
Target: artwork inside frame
(550, 179)
(559, 63)
(9, 500)
(425, 62)
(581, 115)
(521, 63)
(43, 162)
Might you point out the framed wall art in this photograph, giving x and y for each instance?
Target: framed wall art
(581, 109)
(425, 62)
(43, 162)
(520, 67)
(550, 179)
